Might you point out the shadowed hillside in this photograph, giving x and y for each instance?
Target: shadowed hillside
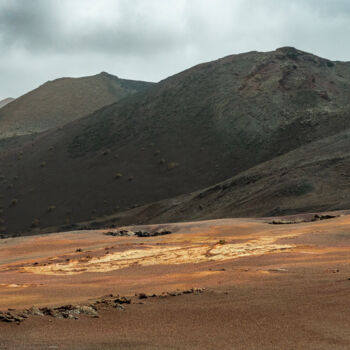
(190, 131)
(312, 178)
(58, 102)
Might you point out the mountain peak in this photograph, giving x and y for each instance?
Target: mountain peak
(290, 52)
(107, 75)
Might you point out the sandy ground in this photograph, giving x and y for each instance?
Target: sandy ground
(266, 287)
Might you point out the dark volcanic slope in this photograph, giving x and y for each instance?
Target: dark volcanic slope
(58, 102)
(312, 178)
(190, 131)
(6, 101)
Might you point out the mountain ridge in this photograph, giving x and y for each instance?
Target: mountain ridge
(59, 101)
(191, 131)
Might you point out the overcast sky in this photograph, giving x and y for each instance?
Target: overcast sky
(42, 40)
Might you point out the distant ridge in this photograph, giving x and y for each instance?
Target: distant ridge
(6, 101)
(60, 101)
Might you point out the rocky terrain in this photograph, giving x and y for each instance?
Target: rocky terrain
(229, 283)
(260, 133)
(63, 100)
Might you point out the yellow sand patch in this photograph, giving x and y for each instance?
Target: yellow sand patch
(15, 285)
(195, 253)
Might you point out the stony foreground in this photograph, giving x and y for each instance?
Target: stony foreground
(230, 284)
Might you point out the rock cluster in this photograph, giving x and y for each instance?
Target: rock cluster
(10, 316)
(66, 311)
(90, 310)
(139, 233)
(170, 294)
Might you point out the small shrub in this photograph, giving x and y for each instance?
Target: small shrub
(172, 165)
(51, 208)
(42, 164)
(118, 175)
(162, 161)
(14, 202)
(156, 153)
(130, 178)
(35, 223)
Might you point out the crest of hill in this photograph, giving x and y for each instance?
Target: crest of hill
(6, 101)
(193, 130)
(63, 100)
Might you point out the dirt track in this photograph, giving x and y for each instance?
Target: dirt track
(267, 287)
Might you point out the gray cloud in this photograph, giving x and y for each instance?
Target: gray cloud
(45, 39)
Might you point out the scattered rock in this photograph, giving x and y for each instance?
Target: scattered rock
(122, 300)
(34, 311)
(324, 217)
(86, 310)
(139, 233)
(10, 317)
(71, 311)
(277, 270)
(119, 307)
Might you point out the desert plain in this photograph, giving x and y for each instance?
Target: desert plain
(267, 283)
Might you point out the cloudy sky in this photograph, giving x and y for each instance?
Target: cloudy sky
(42, 40)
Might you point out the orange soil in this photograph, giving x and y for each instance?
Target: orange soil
(276, 281)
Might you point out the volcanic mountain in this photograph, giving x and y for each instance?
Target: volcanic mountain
(267, 121)
(6, 101)
(58, 102)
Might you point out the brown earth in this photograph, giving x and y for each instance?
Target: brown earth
(274, 123)
(266, 286)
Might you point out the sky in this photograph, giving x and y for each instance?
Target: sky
(42, 40)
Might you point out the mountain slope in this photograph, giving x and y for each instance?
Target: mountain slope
(6, 101)
(312, 178)
(58, 102)
(188, 132)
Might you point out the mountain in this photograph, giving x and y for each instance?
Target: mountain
(216, 121)
(60, 101)
(5, 101)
